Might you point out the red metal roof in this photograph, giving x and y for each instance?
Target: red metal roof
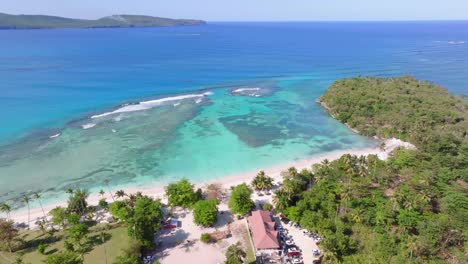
(263, 230)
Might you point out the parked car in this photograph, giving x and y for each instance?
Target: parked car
(171, 223)
(294, 254)
(293, 249)
(289, 242)
(297, 261)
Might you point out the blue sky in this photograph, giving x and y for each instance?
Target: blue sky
(249, 10)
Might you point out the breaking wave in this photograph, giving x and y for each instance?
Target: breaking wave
(145, 105)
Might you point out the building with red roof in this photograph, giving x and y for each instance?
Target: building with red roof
(262, 228)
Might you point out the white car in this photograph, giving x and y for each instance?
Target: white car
(297, 261)
(293, 249)
(289, 242)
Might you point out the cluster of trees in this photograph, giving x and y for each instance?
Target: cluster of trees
(205, 206)
(26, 200)
(75, 222)
(141, 214)
(411, 208)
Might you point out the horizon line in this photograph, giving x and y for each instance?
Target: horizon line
(264, 21)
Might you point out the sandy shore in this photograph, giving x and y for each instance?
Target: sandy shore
(157, 191)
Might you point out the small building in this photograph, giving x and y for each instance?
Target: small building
(262, 230)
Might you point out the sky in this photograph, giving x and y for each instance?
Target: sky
(249, 10)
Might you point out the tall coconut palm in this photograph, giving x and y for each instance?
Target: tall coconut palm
(120, 193)
(37, 196)
(106, 182)
(101, 193)
(26, 200)
(262, 182)
(6, 208)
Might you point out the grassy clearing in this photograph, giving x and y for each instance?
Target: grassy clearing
(118, 240)
(250, 258)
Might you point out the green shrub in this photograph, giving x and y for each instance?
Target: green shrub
(267, 206)
(103, 203)
(205, 238)
(41, 249)
(205, 212)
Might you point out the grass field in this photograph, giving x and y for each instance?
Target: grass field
(117, 240)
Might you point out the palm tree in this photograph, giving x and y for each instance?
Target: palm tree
(6, 208)
(345, 197)
(326, 162)
(26, 200)
(262, 182)
(235, 254)
(37, 196)
(106, 182)
(120, 193)
(357, 215)
(101, 193)
(288, 187)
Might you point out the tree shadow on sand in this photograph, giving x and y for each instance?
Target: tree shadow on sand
(224, 219)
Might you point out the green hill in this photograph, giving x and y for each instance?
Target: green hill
(411, 208)
(41, 21)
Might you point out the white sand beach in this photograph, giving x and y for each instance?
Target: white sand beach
(157, 191)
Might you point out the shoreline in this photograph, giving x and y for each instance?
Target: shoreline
(157, 191)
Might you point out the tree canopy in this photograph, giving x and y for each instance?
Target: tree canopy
(65, 257)
(240, 201)
(142, 217)
(182, 194)
(205, 212)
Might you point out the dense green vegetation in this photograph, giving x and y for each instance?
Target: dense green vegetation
(40, 21)
(70, 234)
(411, 208)
(142, 215)
(182, 194)
(205, 212)
(240, 201)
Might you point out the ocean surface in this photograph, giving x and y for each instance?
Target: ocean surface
(144, 106)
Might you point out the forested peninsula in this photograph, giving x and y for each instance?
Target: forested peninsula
(412, 208)
(8, 21)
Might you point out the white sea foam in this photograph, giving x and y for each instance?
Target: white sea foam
(247, 89)
(150, 104)
(88, 125)
(456, 42)
(54, 136)
(176, 104)
(198, 101)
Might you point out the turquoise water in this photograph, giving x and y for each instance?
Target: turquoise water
(152, 105)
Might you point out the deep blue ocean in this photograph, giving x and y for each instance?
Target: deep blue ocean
(53, 81)
(48, 77)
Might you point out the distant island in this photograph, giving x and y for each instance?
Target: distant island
(8, 21)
